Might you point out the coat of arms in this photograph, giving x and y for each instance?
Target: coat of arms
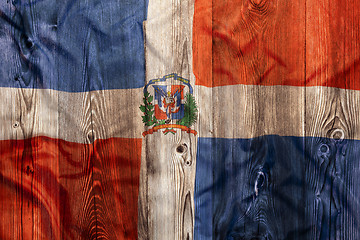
(169, 106)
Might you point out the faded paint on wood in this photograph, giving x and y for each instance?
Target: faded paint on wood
(332, 55)
(252, 42)
(303, 40)
(51, 189)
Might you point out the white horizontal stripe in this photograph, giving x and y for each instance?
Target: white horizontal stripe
(247, 111)
(75, 117)
(239, 111)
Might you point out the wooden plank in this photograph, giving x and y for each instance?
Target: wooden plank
(74, 157)
(115, 165)
(29, 200)
(11, 205)
(45, 206)
(168, 161)
(332, 56)
(76, 171)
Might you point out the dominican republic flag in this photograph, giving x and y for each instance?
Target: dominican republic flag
(265, 145)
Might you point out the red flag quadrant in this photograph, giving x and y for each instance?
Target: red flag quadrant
(267, 43)
(69, 190)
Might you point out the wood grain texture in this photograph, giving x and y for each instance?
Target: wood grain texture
(262, 43)
(90, 193)
(251, 42)
(290, 188)
(51, 188)
(332, 55)
(27, 213)
(167, 175)
(244, 111)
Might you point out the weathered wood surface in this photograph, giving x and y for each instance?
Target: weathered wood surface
(168, 161)
(332, 55)
(287, 188)
(63, 172)
(309, 187)
(262, 43)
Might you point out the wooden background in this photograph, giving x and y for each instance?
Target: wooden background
(299, 42)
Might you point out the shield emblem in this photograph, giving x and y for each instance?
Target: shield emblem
(164, 105)
(168, 101)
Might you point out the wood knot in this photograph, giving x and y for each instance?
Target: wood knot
(324, 148)
(181, 149)
(90, 136)
(259, 182)
(17, 78)
(259, 6)
(29, 170)
(337, 134)
(27, 42)
(188, 162)
(324, 152)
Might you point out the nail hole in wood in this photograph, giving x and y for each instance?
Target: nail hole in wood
(16, 125)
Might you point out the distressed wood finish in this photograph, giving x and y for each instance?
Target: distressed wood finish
(168, 171)
(255, 42)
(79, 179)
(52, 189)
(304, 42)
(25, 194)
(332, 55)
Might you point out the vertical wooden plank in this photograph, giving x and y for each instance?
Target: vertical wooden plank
(332, 59)
(168, 162)
(76, 163)
(10, 199)
(75, 166)
(116, 163)
(36, 195)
